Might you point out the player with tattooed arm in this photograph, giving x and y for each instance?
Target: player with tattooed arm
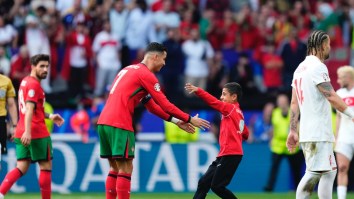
(312, 98)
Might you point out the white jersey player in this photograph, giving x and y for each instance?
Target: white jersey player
(312, 97)
(345, 128)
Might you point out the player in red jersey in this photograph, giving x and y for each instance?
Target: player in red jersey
(32, 138)
(232, 131)
(134, 84)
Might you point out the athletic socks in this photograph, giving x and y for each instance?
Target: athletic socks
(325, 186)
(111, 180)
(9, 180)
(342, 192)
(123, 185)
(45, 183)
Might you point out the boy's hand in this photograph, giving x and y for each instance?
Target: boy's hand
(190, 88)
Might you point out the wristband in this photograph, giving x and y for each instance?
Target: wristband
(50, 115)
(349, 112)
(175, 120)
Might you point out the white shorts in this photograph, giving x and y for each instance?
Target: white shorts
(345, 149)
(319, 156)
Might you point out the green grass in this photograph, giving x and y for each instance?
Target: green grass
(166, 196)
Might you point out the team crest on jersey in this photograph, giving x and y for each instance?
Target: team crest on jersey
(157, 87)
(325, 77)
(31, 93)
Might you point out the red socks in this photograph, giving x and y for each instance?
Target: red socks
(111, 180)
(123, 185)
(9, 180)
(45, 183)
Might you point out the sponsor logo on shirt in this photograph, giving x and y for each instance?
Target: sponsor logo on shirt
(31, 93)
(157, 87)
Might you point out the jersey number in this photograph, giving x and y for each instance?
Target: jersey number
(299, 91)
(120, 75)
(21, 104)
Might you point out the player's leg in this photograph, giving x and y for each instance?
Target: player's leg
(307, 184)
(123, 148)
(225, 170)
(106, 152)
(41, 152)
(45, 178)
(204, 182)
(325, 186)
(276, 160)
(124, 178)
(342, 180)
(111, 180)
(344, 152)
(23, 162)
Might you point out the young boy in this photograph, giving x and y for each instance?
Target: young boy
(232, 132)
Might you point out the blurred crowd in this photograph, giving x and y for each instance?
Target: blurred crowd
(257, 43)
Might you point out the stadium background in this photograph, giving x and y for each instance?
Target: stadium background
(160, 166)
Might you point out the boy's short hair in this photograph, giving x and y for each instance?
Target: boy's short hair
(234, 88)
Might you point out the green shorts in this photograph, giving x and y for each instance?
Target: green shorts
(116, 143)
(39, 150)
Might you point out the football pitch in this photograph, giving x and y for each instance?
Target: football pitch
(165, 196)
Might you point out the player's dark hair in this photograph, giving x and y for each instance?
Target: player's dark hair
(156, 47)
(315, 41)
(38, 58)
(234, 88)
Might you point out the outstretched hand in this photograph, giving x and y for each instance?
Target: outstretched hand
(57, 119)
(292, 142)
(199, 122)
(187, 127)
(190, 88)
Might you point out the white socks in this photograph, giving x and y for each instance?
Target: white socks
(1, 196)
(342, 192)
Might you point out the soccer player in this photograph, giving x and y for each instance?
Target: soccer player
(344, 132)
(32, 139)
(7, 105)
(132, 85)
(232, 131)
(312, 97)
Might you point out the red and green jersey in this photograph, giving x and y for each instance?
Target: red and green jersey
(132, 84)
(31, 91)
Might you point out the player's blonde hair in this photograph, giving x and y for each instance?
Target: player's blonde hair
(346, 69)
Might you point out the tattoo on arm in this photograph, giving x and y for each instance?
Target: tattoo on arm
(325, 88)
(293, 121)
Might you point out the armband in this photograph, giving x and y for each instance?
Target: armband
(349, 112)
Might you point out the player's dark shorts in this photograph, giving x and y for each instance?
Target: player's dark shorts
(3, 134)
(39, 150)
(116, 143)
